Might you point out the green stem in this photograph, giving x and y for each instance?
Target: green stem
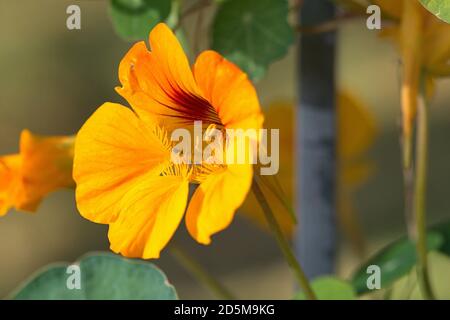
(198, 6)
(194, 268)
(408, 183)
(420, 197)
(282, 242)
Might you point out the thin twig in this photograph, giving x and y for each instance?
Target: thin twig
(353, 5)
(198, 6)
(408, 185)
(279, 194)
(283, 243)
(194, 268)
(197, 32)
(327, 26)
(420, 196)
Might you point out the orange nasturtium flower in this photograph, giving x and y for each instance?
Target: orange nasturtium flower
(43, 165)
(122, 165)
(423, 41)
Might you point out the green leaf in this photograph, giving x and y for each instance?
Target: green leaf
(330, 288)
(133, 19)
(408, 287)
(395, 261)
(252, 33)
(103, 276)
(444, 230)
(440, 8)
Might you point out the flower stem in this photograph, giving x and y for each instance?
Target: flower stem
(408, 186)
(282, 242)
(194, 268)
(198, 6)
(420, 197)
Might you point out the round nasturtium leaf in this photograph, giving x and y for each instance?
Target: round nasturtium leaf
(330, 288)
(440, 8)
(395, 261)
(104, 276)
(252, 33)
(133, 19)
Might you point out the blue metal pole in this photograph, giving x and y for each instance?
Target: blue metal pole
(315, 241)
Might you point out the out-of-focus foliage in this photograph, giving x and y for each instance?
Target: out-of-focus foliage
(440, 8)
(103, 277)
(408, 287)
(252, 33)
(330, 288)
(395, 261)
(133, 19)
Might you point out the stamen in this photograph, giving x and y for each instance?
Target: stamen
(201, 172)
(179, 170)
(162, 136)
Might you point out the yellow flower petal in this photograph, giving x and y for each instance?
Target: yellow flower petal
(46, 166)
(171, 59)
(353, 174)
(114, 152)
(229, 91)
(10, 181)
(356, 127)
(43, 165)
(215, 201)
(159, 84)
(149, 215)
(132, 89)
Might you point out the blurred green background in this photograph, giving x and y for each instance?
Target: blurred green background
(52, 79)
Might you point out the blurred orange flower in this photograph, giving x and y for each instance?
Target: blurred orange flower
(423, 41)
(122, 156)
(43, 165)
(356, 134)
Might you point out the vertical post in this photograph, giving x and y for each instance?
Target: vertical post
(315, 240)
